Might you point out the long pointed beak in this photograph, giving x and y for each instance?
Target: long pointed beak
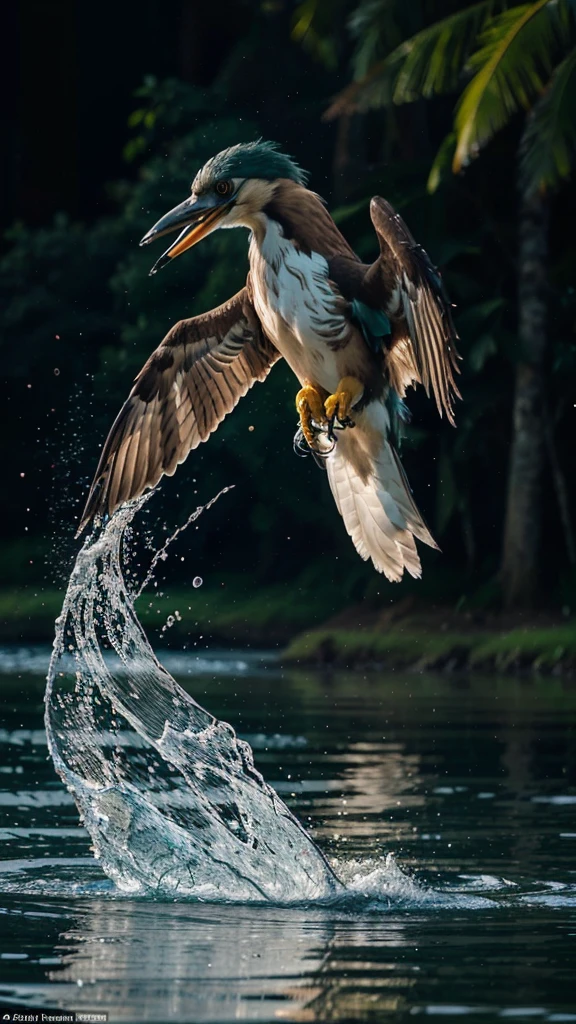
(197, 216)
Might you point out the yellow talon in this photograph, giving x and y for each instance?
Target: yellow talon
(338, 405)
(310, 406)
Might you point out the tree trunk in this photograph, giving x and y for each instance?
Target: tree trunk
(520, 562)
(561, 488)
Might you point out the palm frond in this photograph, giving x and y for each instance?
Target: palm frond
(442, 165)
(549, 142)
(434, 58)
(371, 92)
(376, 25)
(512, 65)
(313, 27)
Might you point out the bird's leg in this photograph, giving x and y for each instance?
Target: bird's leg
(339, 405)
(310, 406)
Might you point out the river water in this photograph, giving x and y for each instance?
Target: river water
(447, 804)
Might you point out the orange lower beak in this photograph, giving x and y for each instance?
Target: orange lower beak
(193, 232)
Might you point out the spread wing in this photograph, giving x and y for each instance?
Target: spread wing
(193, 379)
(407, 286)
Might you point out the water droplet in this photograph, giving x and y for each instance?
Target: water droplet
(197, 581)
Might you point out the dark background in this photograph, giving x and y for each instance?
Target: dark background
(109, 110)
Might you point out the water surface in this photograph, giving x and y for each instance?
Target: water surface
(468, 782)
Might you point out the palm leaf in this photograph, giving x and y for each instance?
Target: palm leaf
(313, 27)
(377, 27)
(442, 165)
(372, 91)
(434, 58)
(549, 141)
(513, 63)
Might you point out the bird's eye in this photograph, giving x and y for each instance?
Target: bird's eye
(223, 188)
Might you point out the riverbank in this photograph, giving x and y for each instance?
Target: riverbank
(300, 623)
(436, 639)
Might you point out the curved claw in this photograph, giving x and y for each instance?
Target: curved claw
(338, 406)
(343, 423)
(299, 444)
(302, 448)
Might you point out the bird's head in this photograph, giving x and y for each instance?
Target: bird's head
(228, 191)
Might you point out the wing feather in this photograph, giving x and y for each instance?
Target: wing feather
(417, 301)
(144, 456)
(405, 285)
(189, 384)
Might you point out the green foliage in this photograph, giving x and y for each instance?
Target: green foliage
(549, 143)
(393, 65)
(509, 57)
(311, 27)
(510, 68)
(395, 647)
(544, 647)
(442, 166)
(433, 59)
(46, 283)
(411, 645)
(167, 109)
(378, 26)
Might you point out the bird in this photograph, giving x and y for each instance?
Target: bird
(356, 336)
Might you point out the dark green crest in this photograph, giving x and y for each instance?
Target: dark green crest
(248, 160)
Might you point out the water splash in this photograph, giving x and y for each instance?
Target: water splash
(170, 795)
(181, 811)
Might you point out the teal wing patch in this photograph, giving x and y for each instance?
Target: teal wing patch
(373, 323)
(399, 414)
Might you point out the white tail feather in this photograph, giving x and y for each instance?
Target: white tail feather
(373, 496)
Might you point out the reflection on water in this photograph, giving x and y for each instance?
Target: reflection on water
(153, 962)
(213, 963)
(471, 782)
